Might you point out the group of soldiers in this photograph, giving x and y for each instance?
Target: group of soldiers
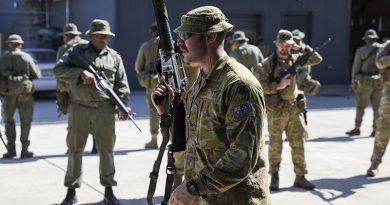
(227, 100)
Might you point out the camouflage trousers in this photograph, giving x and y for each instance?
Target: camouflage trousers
(369, 90)
(100, 122)
(25, 105)
(289, 119)
(382, 135)
(154, 122)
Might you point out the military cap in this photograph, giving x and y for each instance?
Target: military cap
(297, 34)
(239, 36)
(71, 28)
(284, 36)
(205, 19)
(14, 38)
(99, 26)
(370, 33)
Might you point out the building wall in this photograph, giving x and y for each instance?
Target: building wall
(130, 20)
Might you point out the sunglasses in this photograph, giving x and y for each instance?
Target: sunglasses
(184, 35)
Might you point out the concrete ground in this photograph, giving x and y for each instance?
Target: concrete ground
(336, 163)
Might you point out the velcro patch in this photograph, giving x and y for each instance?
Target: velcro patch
(241, 111)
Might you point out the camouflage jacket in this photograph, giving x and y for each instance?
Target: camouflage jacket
(364, 62)
(269, 82)
(225, 143)
(145, 64)
(77, 40)
(107, 60)
(248, 55)
(15, 62)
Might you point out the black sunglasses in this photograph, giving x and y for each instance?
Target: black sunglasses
(184, 35)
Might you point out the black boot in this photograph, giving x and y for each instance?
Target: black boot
(302, 182)
(274, 186)
(372, 133)
(26, 154)
(70, 197)
(11, 151)
(110, 198)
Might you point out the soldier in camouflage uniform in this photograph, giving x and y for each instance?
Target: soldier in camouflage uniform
(284, 108)
(367, 81)
(224, 119)
(305, 82)
(246, 54)
(91, 110)
(382, 135)
(17, 70)
(145, 67)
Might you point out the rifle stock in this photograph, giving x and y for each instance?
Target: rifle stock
(101, 82)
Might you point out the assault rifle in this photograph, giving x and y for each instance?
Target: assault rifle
(292, 70)
(101, 83)
(170, 69)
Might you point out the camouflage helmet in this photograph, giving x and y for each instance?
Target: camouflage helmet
(297, 34)
(205, 19)
(99, 26)
(371, 34)
(15, 38)
(284, 36)
(239, 36)
(71, 28)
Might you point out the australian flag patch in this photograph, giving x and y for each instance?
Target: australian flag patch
(241, 111)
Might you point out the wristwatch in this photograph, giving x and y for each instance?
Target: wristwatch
(192, 188)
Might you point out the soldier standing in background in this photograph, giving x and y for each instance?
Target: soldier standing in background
(91, 110)
(382, 134)
(224, 119)
(246, 54)
(145, 67)
(17, 70)
(367, 81)
(305, 82)
(284, 108)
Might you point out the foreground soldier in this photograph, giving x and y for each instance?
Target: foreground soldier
(246, 54)
(145, 67)
(382, 135)
(224, 118)
(91, 110)
(284, 108)
(17, 70)
(367, 82)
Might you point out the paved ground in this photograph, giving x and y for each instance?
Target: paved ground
(336, 163)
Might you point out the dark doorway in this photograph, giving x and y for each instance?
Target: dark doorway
(368, 14)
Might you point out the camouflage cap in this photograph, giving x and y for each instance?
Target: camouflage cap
(14, 38)
(205, 19)
(284, 36)
(370, 33)
(99, 26)
(297, 34)
(239, 36)
(71, 28)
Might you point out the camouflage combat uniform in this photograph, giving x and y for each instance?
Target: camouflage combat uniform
(92, 111)
(283, 112)
(382, 135)
(225, 144)
(62, 49)
(246, 54)
(368, 80)
(18, 69)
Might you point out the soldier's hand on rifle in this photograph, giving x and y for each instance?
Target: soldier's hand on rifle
(122, 115)
(162, 90)
(181, 196)
(87, 78)
(284, 82)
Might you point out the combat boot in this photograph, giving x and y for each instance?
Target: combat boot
(274, 186)
(372, 133)
(372, 171)
(70, 197)
(301, 182)
(153, 142)
(26, 154)
(353, 132)
(110, 198)
(9, 155)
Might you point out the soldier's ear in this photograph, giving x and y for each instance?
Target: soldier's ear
(211, 36)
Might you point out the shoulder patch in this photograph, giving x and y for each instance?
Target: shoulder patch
(241, 111)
